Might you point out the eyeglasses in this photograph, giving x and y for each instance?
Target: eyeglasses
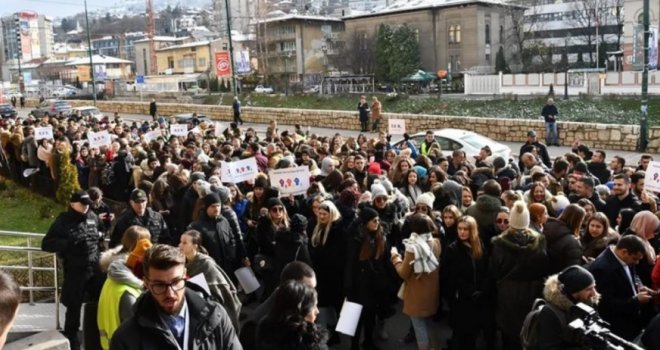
(161, 288)
(503, 221)
(276, 209)
(380, 199)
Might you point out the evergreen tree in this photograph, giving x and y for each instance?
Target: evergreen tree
(404, 57)
(383, 52)
(67, 179)
(500, 62)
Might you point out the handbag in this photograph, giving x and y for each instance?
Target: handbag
(262, 263)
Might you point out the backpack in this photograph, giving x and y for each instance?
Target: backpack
(529, 334)
(108, 175)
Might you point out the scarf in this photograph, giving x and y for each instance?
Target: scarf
(420, 245)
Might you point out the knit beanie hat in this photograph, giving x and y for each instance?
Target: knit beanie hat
(261, 182)
(426, 198)
(559, 203)
(378, 190)
(374, 168)
(499, 163)
(137, 254)
(519, 217)
(367, 214)
(574, 279)
(197, 175)
(274, 202)
(421, 171)
(211, 199)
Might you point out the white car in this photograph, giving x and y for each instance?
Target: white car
(465, 140)
(260, 89)
(88, 111)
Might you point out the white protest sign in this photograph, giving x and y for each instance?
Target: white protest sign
(349, 318)
(200, 280)
(290, 180)
(219, 127)
(242, 170)
(652, 178)
(225, 176)
(179, 129)
(98, 139)
(396, 126)
(43, 133)
(152, 135)
(246, 278)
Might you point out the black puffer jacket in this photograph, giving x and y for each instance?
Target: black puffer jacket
(151, 220)
(564, 249)
(210, 328)
(291, 244)
(218, 240)
(277, 336)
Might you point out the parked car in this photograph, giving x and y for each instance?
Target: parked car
(260, 89)
(88, 111)
(465, 140)
(7, 111)
(52, 107)
(187, 118)
(314, 89)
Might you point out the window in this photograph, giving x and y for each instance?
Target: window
(501, 34)
(487, 33)
(488, 58)
(458, 34)
(452, 34)
(201, 62)
(170, 62)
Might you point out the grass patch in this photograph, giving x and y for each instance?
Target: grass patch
(604, 109)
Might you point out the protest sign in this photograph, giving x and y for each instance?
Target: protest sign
(292, 181)
(396, 126)
(652, 178)
(43, 133)
(239, 171)
(179, 129)
(98, 139)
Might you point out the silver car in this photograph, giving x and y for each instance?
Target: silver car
(459, 139)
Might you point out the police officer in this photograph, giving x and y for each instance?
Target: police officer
(223, 244)
(140, 214)
(76, 238)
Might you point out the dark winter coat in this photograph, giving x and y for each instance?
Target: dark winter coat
(484, 211)
(391, 219)
(595, 199)
(77, 241)
(563, 247)
(363, 109)
(465, 286)
(291, 244)
(329, 263)
(209, 326)
(372, 282)
(541, 150)
(151, 220)
(518, 265)
(549, 113)
(600, 171)
(153, 109)
(219, 241)
(614, 205)
(592, 247)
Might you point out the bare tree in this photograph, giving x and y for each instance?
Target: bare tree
(261, 14)
(358, 54)
(521, 26)
(588, 15)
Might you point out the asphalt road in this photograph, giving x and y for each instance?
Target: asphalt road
(631, 157)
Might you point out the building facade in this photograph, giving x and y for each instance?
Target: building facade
(453, 35)
(122, 46)
(27, 35)
(633, 19)
(299, 49)
(187, 58)
(142, 57)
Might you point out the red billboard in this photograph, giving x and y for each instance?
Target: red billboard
(222, 64)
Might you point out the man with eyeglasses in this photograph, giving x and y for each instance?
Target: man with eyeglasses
(171, 316)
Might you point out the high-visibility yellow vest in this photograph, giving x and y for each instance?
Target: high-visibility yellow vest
(107, 316)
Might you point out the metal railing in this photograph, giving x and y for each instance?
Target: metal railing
(30, 249)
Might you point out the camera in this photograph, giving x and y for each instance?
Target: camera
(595, 331)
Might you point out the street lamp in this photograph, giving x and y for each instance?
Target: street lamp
(286, 73)
(566, 69)
(91, 62)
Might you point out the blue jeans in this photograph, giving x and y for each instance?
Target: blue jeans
(551, 137)
(422, 326)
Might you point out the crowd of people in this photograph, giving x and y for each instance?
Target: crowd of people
(471, 241)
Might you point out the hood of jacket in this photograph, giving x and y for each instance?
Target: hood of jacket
(111, 255)
(552, 294)
(554, 230)
(120, 273)
(516, 240)
(488, 203)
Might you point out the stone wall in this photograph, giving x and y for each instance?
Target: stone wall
(605, 136)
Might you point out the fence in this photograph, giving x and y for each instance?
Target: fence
(37, 264)
(592, 83)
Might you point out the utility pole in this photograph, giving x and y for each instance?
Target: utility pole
(644, 127)
(231, 50)
(91, 61)
(566, 69)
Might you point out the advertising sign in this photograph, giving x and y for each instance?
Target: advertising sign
(242, 61)
(222, 64)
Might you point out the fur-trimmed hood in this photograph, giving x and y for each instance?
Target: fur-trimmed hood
(552, 294)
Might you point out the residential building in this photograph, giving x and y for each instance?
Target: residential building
(631, 29)
(241, 13)
(454, 35)
(26, 35)
(186, 58)
(142, 57)
(122, 46)
(299, 49)
(105, 68)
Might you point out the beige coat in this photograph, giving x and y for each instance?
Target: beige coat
(421, 296)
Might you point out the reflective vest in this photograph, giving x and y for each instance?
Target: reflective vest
(107, 317)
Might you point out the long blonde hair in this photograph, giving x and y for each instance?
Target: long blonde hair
(321, 231)
(473, 240)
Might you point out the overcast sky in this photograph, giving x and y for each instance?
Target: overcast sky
(53, 8)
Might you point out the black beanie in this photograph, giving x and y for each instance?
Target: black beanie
(274, 202)
(261, 182)
(210, 199)
(367, 214)
(574, 279)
